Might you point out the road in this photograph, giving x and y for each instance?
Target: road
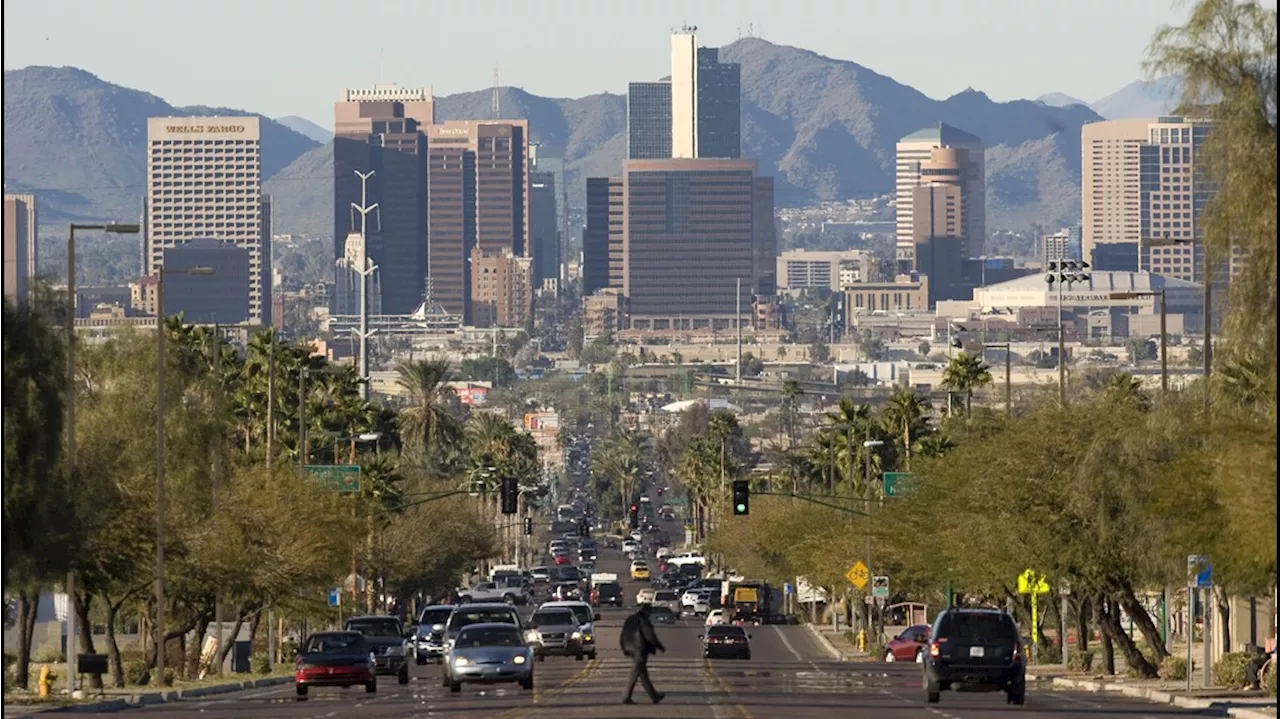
(789, 676)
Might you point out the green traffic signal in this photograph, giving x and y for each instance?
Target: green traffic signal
(741, 509)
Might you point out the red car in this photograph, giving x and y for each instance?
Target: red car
(561, 559)
(909, 645)
(334, 659)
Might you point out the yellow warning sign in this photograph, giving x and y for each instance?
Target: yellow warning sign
(858, 575)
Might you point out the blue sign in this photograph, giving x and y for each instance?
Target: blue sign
(787, 588)
(1200, 571)
(335, 597)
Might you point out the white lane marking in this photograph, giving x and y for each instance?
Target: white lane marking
(787, 643)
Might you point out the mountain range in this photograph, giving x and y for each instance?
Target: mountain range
(825, 128)
(1140, 98)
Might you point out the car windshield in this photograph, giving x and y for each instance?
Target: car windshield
(375, 627)
(489, 637)
(725, 630)
(553, 617)
(335, 643)
(981, 627)
(435, 616)
(665, 595)
(571, 574)
(610, 588)
(461, 618)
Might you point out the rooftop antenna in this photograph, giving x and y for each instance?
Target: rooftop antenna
(497, 103)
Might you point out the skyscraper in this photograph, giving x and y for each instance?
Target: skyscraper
(205, 182)
(545, 230)
(595, 235)
(692, 230)
(20, 249)
(695, 113)
(649, 120)
(961, 163)
(382, 130)
(719, 85)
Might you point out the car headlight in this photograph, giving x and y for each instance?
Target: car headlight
(532, 636)
(576, 635)
(587, 637)
(460, 661)
(518, 659)
(395, 651)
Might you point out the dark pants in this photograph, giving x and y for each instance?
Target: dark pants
(640, 671)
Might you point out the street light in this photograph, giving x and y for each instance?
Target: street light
(114, 228)
(1164, 334)
(1008, 370)
(1068, 272)
(1207, 288)
(160, 498)
(867, 446)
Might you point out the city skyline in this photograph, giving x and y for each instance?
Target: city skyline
(304, 86)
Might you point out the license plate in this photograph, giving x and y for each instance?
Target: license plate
(977, 651)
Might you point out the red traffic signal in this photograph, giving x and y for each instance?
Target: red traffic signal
(634, 508)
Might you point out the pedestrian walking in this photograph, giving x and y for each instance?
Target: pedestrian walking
(639, 640)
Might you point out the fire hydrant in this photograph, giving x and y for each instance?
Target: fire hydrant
(862, 640)
(47, 678)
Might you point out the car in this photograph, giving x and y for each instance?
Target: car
(489, 592)
(661, 614)
(487, 653)
(567, 591)
(387, 641)
(635, 535)
(465, 615)
(668, 598)
(686, 558)
(555, 631)
(692, 597)
(607, 593)
(587, 618)
(629, 546)
(663, 552)
(334, 659)
(639, 570)
(978, 649)
(540, 575)
(560, 557)
(428, 641)
(714, 617)
(909, 646)
(645, 596)
(726, 641)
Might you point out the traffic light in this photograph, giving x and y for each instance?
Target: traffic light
(510, 495)
(584, 529)
(528, 526)
(741, 498)
(635, 516)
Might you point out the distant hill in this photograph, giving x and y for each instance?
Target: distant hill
(1058, 99)
(1141, 98)
(825, 128)
(306, 128)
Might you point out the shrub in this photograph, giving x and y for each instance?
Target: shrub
(135, 672)
(48, 656)
(1232, 670)
(1271, 679)
(1048, 654)
(1081, 661)
(259, 663)
(1173, 669)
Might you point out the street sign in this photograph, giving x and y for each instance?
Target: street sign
(893, 482)
(1031, 583)
(677, 501)
(341, 478)
(335, 597)
(880, 587)
(858, 575)
(787, 588)
(1199, 571)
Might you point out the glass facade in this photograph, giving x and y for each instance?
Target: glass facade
(649, 120)
(719, 106)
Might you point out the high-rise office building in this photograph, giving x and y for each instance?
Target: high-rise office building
(205, 182)
(501, 289)
(941, 155)
(719, 129)
(545, 230)
(691, 232)
(649, 120)
(550, 158)
(595, 236)
(20, 249)
(220, 298)
(937, 224)
(1140, 182)
(381, 130)
(478, 197)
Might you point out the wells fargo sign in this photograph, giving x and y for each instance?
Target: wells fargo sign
(203, 129)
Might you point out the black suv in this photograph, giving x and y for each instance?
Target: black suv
(977, 648)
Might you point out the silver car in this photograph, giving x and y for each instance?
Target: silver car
(488, 654)
(428, 640)
(555, 630)
(587, 618)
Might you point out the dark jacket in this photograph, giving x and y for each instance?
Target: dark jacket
(638, 636)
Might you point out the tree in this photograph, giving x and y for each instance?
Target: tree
(819, 352)
(752, 366)
(904, 419)
(429, 421)
(965, 373)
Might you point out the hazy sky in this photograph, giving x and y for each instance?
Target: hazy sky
(291, 57)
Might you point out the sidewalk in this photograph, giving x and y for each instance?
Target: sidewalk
(118, 699)
(836, 643)
(1215, 701)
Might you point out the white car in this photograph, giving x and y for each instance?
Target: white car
(663, 552)
(635, 535)
(630, 545)
(645, 596)
(687, 558)
(715, 616)
(690, 599)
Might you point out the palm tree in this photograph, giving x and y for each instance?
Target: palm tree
(964, 373)
(934, 444)
(904, 415)
(1125, 388)
(791, 393)
(428, 419)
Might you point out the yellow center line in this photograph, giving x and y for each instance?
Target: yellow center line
(539, 694)
(705, 669)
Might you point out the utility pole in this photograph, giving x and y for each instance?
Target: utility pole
(366, 268)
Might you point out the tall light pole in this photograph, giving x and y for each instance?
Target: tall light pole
(1008, 372)
(366, 269)
(1164, 331)
(1064, 272)
(114, 228)
(160, 498)
(867, 446)
(1207, 311)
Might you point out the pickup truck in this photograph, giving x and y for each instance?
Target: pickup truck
(679, 560)
(490, 592)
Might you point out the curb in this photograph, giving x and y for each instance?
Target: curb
(836, 654)
(1210, 707)
(149, 698)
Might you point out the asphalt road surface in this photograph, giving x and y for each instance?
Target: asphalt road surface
(789, 676)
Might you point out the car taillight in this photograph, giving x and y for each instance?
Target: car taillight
(1017, 651)
(934, 649)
